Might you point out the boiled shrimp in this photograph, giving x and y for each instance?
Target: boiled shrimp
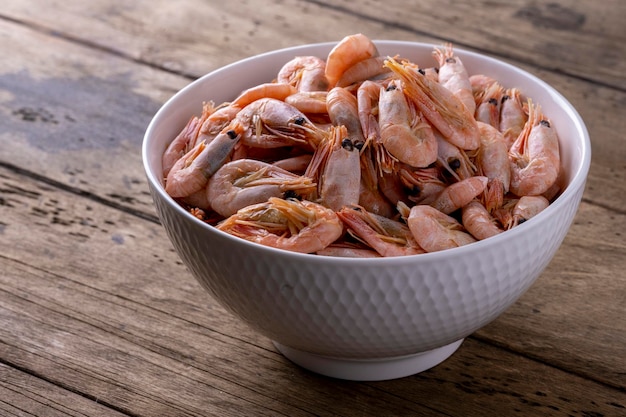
(337, 160)
(244, 182)
(453, 75)
(492, 161)
(512, 115)
(180, 145)
(488, 105)
(534, 156)
(368, 69)
(439, 105)
(348, 250)
(458, 194)
(343, 110)
(407, 138)
(388, 237)
(479, 222)
(423, 185)
(453, 160)
(278, 91)
(435, 231)
(293, 225)
(370, 196)
(191, 173)
(308, 102)
(305, 73)
(346, 53)
(528, 207)
(272, 123)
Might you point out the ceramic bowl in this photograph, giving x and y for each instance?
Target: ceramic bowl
(366, 319)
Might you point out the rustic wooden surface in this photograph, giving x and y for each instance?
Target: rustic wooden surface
(100, 318)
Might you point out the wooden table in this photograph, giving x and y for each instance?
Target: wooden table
(98, 316)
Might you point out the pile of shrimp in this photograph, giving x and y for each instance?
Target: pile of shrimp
(360, 155)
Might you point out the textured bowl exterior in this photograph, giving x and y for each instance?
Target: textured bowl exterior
(367, 308)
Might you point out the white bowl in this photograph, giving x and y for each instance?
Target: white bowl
(366, 319)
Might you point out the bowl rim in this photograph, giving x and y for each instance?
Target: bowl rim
(576, 183)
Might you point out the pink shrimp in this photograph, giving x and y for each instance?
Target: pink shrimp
(534, 156)
(453, 160)
(492, 161)
(512, 115)
(191, 173)
(435, 231)
(343, 110)
(299, 226)
(348, 250)
(488, 105)
(346, 53)
(458, 194)
(340, 170)
(272, 123)
(370, 196)
(278, 91)
(423, 185)
(439, 105)
(305, 73)
(180, 145)
(367, 69)
(528, 207)
(298, 163)
(453, 76)
(478, 222)
(311, 102)
(244, 182)
(367, 96)
(403, 134)
(388, 237)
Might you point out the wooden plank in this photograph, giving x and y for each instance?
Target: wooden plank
(140, 345)
(22, 394)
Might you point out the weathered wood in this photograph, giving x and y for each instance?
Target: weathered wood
(22, 394)
(178, 356)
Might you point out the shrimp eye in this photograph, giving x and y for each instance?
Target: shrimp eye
(347, 144)
(391, 87)
(232, 134)
(292, 195)
(455, 164)
(421, 71)
(545, 123)
(493, 101)
(359, 145)
(414, 191)
(521, 220)
(451, 60)
(436, 69)
(505, 98)
(299, 121)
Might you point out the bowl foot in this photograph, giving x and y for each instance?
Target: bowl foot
(369, 369)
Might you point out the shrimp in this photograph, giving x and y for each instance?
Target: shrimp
(349, 51)
(439, 105)
(343, 110)
(212, 124)
(367, 96)
(453, 160)
(368, 69)
(492, 161)
(453, 76)
(528, 207)
(272, 123)
(244, 182)
(387, 237)
(370, 196)
(308, 101)
(423, 184)
(512, 115)
(340, 170)
(457, 195)
(299, 226)
(305, 73)
(278, 91)
(435, 231)
(297, 163)
(348, 250)
(480, 83)
(191, 173)
(403, 134)
(179, 146)
(488, 105)
(534, 156)
(478, 222)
